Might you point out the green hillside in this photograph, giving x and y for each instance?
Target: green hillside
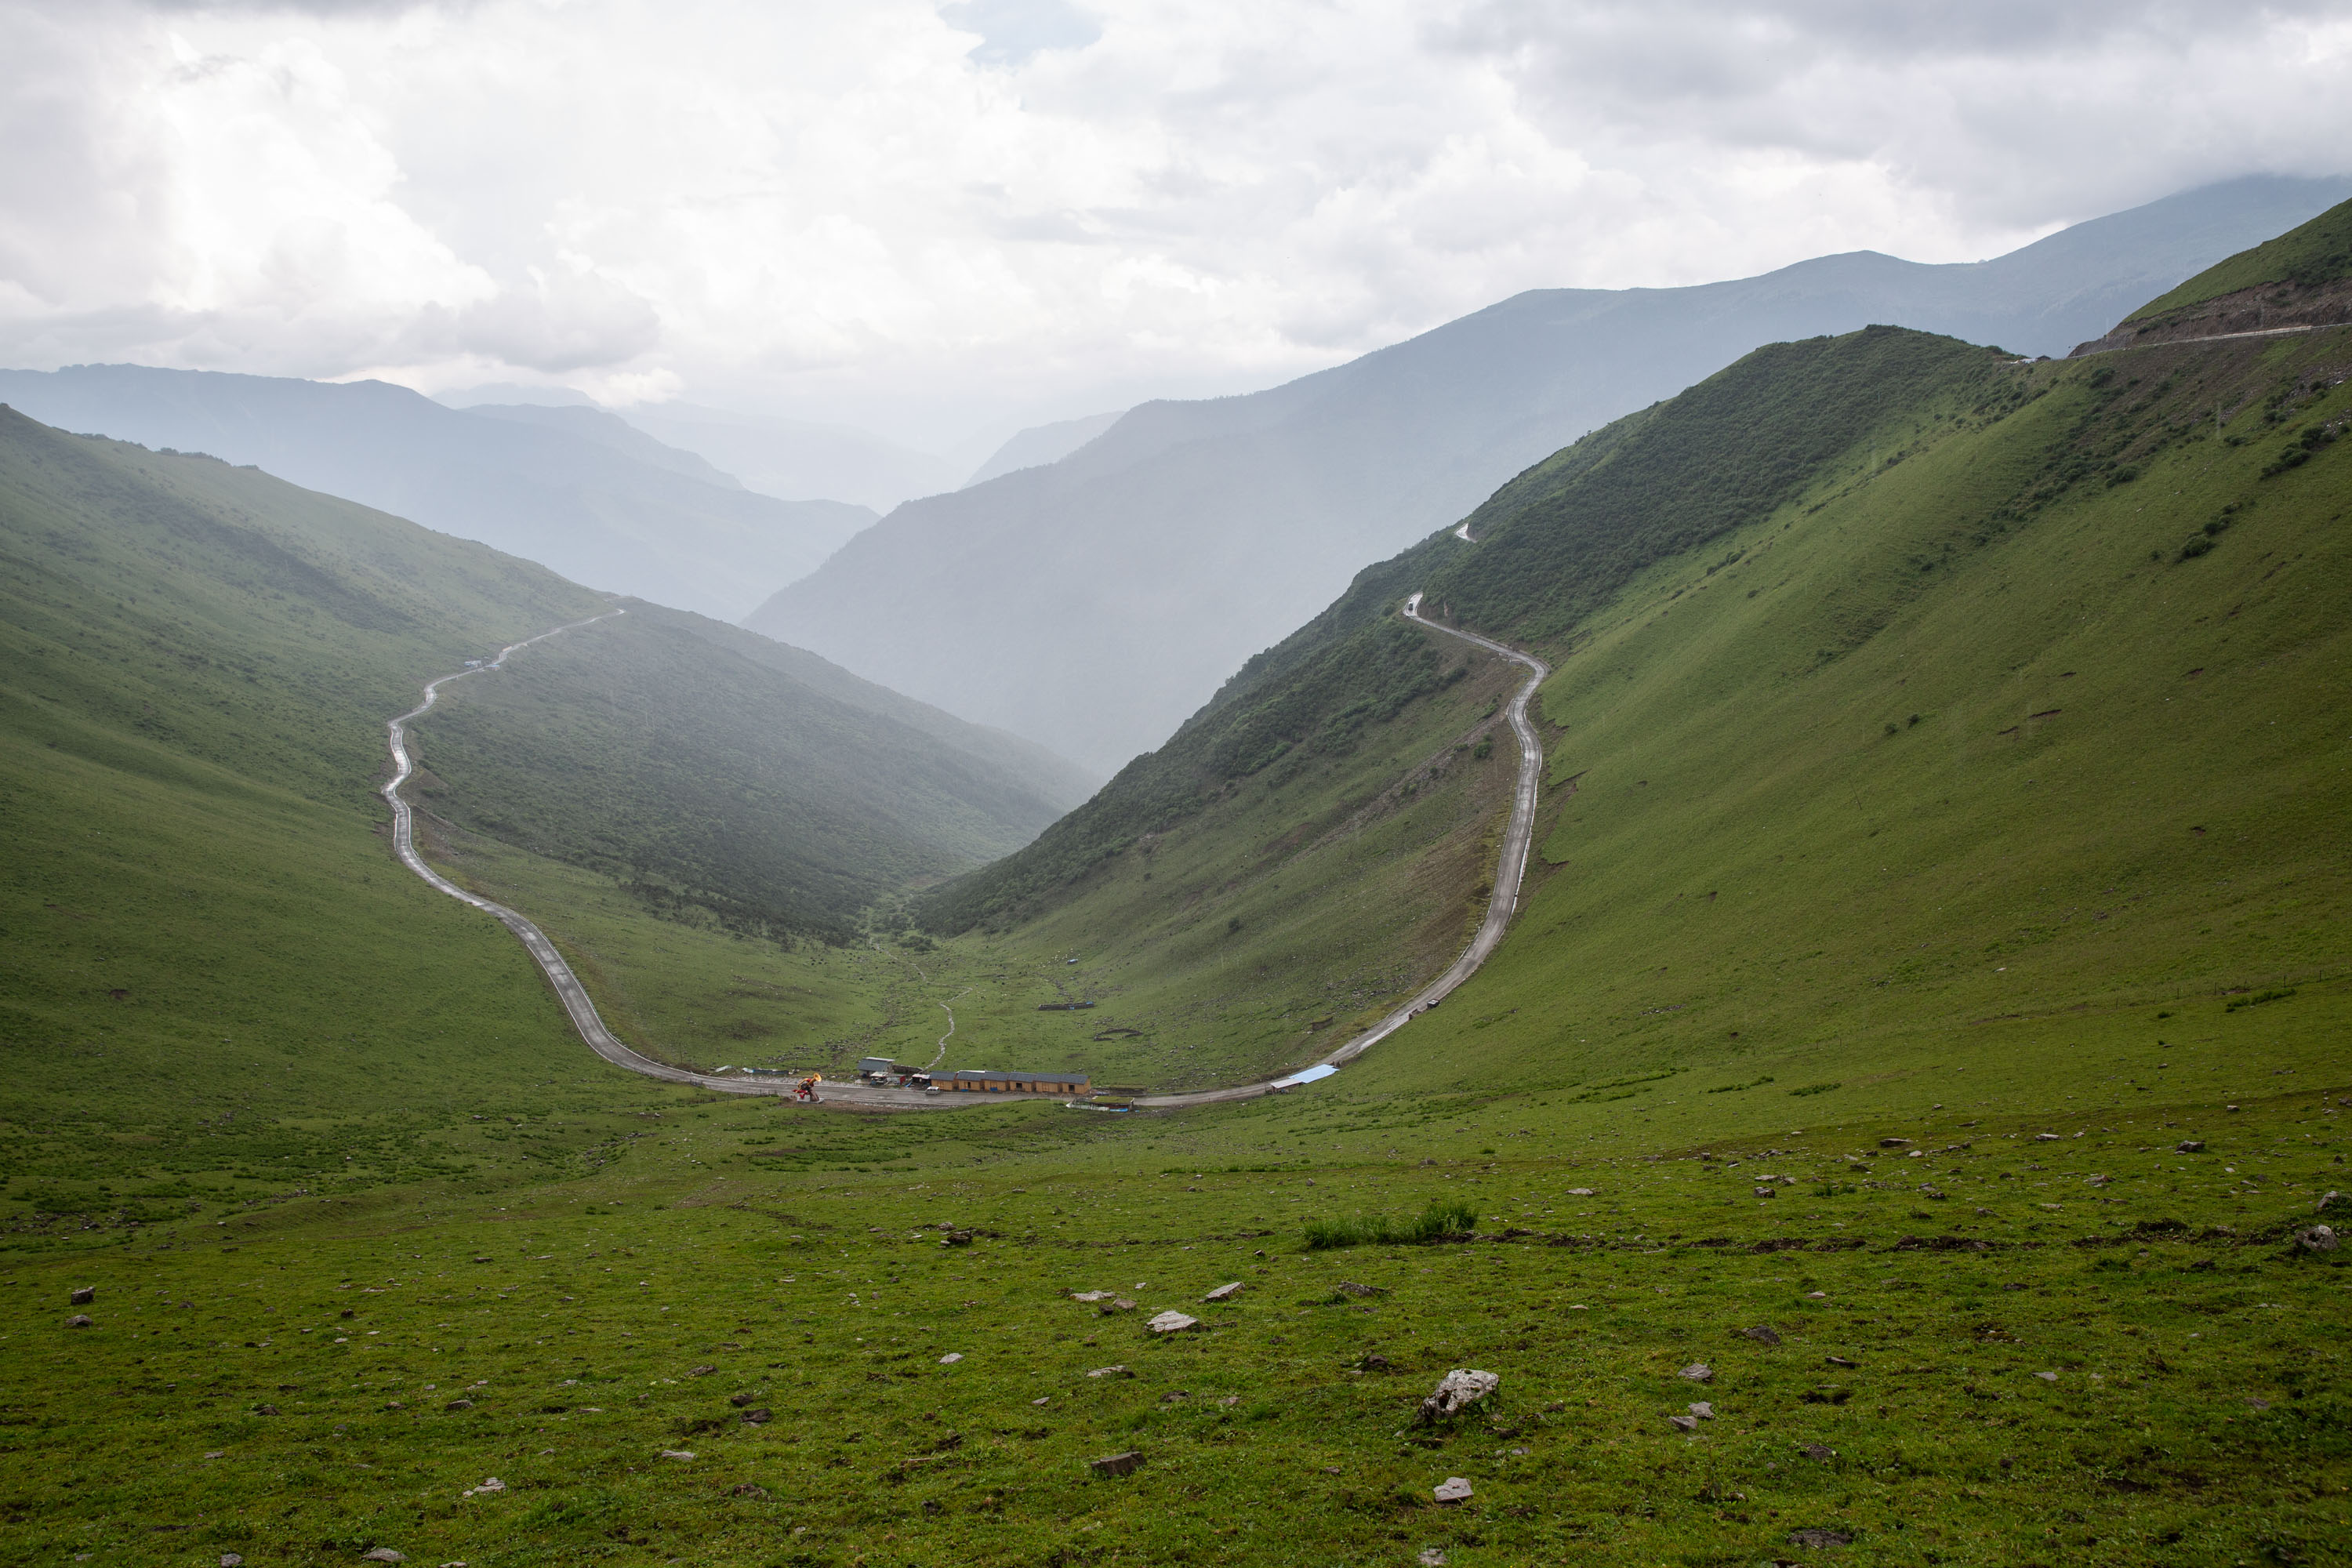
(1883, 1137)
(2317, 252)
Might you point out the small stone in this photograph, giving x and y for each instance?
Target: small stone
(1174, 1396)
(1431, 1558)
(1935, 1194)
(677, 1453)
(740, 1400)
(492, 1485)
(2045, 1138)
(2317, 1238)
(952, 1358)
(83, 1295)
(1171, 1323)
(385, 1554)
(1697, 1372)
(1761, 1335)
(2190, 1146)
(1350, 1288)
(1375, 1362)
(701, 1371)
(1819, 1537)
(1768, 1191)
(1456, 1391)
(79, 1320)
(2047, 1377)
(1047, 1400)
(1686, 1423)
(1841, 1361)
(759, 1417)
(1453, 1489)
(1224, 1292)
(1120, 1371)
(1894, 1143)
(1817, 1451)
(1579, 1192)
(459, 1404)
(1703, 1410)
(231, 1560)
(1111, 1465)
(747, 1488)
(1091, 1295)
(265, 1410)
(2329, 1200)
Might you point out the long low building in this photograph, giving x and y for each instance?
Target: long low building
(984, 1080)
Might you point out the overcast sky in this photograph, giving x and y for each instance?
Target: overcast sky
(931, 218)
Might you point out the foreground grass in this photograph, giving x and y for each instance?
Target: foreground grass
(2105, 1353)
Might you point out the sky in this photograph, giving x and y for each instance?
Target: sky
(935, 220)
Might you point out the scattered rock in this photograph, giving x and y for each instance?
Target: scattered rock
(701, 1371)
(1685, 1423)
(1174, 1396)
(2316, 1239)
(1841, 1361)
(1453, 1489)
(1579, 1192)
(1768, 1191)
(1047, 1400)
(1092, 1295)
(1703, 1410)
(1121, 1305)
(231, 1560)
(1927, 1192)
(1111, 1465)
(1817, 1451)
(83, 1295)
(1697, 1372)
(759, 1417)
(1761, 1335)
(79, 1320)
(1894, 1143)
(2047, 1377)
(2329, 1200)
(1457, 1390)
(952, 1358)
(1819, 1538)
(2190, 1146)
(1225, 1292)
(1375, 1362)
(1350, 1288)
(2045, 1138)
(459, 1404)
(677, 1453)
(385, 1554)
(740, 1400)
(1171, 1323)
(265, 1410)
(393, 1405)
(747, 1488)
(1231, 1399)
(1431, 1558)
(1120, 1371)
(492, 1485)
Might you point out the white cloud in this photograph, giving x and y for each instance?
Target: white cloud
(923, 215)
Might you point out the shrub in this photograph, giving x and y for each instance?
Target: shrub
(1443, 1218)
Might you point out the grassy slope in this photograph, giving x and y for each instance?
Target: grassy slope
(651, 748)
(2317, 252)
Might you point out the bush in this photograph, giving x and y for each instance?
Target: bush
(1443, 1220)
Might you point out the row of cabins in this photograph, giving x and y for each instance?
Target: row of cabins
(984, 1082)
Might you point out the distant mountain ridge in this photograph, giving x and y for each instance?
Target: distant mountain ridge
(569, 488)
(1092, 604)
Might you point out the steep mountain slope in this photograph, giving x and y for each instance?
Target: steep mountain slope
(1898, 686)
(1042, 444)
(1091, 604)
(199, 661)
(531, 484)
(2301, 278)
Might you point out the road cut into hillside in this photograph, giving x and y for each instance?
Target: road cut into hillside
(1518, 839)
(568, 989)
(1510, 870)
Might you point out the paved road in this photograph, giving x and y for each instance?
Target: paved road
(1519, 838)
(568, 989)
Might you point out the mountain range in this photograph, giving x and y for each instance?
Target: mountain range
(1092, 603)
(573, 488)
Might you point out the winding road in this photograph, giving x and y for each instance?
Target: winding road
(1510, 870)
(1518, 839)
